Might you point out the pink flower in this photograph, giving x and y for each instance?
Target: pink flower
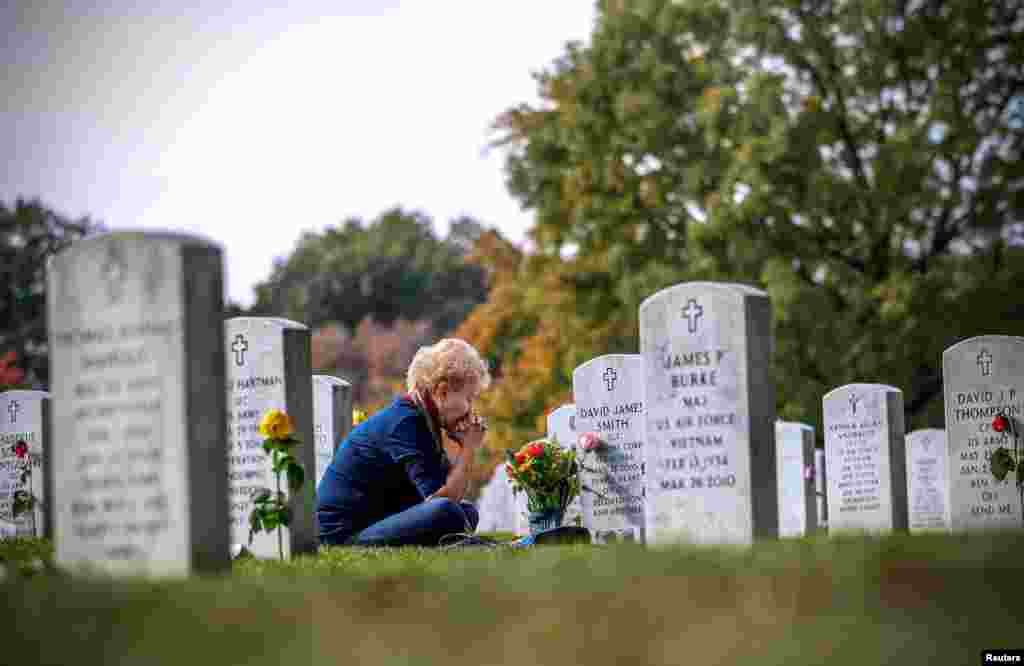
(21, 449)
(589, 441)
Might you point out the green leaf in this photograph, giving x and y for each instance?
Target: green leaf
(296, 476)
(283, 462)
(255, 524)
(269, 445)
(1001, 463)
(285, 516)
(262, 496)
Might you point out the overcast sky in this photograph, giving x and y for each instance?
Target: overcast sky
(249, 125)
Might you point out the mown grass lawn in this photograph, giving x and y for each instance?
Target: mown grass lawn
(851, 600)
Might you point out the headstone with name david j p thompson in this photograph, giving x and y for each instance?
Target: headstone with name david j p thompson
(983, 377)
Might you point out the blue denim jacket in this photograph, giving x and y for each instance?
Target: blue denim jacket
(387, 464)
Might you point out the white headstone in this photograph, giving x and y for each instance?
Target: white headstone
(710, 414)
(332, 418)
(927, 480)
(496, 507)
(138, 412)
(982, 377)
(521, 514)
(609, 395)
(821, 487)
(562, 427)
(23, 416)
(798, 506)
(865, 458)
(269, 368)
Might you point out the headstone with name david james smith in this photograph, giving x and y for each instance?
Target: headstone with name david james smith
(332, 418)
(561, 424)
(269, 368)
(609, 395)
(794, 452)
(23, 447)
(821, 487)
(927, 480)
(982, 378)
(865, 458)
(710, 414)
(137, 470)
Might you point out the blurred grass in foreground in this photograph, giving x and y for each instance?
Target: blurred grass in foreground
(847, 600)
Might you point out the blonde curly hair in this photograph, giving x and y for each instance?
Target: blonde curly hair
(451, 360)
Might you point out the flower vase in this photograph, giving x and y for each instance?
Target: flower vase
(545, 519)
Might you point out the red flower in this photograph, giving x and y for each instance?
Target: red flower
(535, 450)
(521, 457)
(1000, 423)
(21, 449)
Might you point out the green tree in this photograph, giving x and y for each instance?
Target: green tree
(857, 160)
(30, 233)
(393, 267)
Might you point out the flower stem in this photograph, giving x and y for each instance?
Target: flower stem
(280, 537)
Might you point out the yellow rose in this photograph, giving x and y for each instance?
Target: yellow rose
(358, 416)
(276, 425)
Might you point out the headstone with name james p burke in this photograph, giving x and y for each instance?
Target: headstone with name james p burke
(865, 458)
(23, 417)
(927, 480)
(982, 378)
(710, 414)
(609, 395)
(137, 469)
(562, 427)
(332, 418)
(798, 506)
(269, 368)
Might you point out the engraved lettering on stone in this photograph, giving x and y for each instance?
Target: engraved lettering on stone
(13, 408)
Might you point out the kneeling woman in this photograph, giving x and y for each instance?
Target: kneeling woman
(391, 482)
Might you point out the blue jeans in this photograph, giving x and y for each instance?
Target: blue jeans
(422, 525)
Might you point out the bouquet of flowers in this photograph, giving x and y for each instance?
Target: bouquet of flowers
(547, 473)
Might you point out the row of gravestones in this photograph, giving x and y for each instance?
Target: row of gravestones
(147, 445)
(692, 455)
(155, 403)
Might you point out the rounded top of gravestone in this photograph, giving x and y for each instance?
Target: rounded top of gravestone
(24, 394)
(793, 424)
(280, 322)
(610, 359)
(983, 339)
(736, 287)
(331, 379)
(845, 388)
(147, 235)
(926, 431)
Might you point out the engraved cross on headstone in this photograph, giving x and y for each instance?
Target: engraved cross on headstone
(985, 362)
(13, 408)
(854, 399)
(240, 346)
(113, 273)
(609, 377)
(691, 313)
